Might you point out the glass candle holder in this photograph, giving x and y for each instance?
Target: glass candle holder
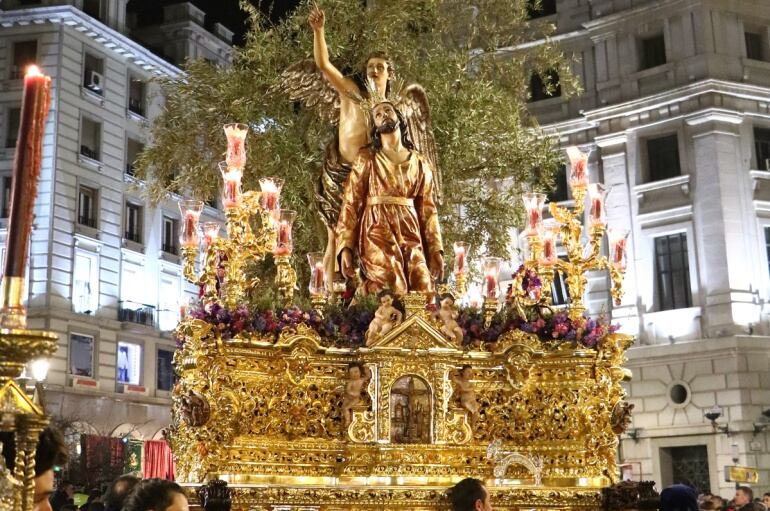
(271, 193)
(284, 243)
(578, 161)
(549, 235)
(533, 202)
(461, 253)
(317, 273)
(596, 194)
(491, 266)
(618, 238)
(210, 232)
(231, 188)
(191, 213)
(236, 144)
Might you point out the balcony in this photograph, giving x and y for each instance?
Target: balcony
(134, 312)
(170, 248)
(136, 106)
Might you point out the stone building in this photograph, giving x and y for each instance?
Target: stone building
(676, 107)
(104, 270)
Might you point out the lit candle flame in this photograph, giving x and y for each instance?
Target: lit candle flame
(33, 70)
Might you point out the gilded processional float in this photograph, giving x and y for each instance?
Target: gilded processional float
(386, 400)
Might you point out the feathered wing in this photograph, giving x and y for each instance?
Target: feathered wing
(416, 110)
(305, 83)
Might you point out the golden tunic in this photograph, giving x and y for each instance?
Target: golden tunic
(389, 218)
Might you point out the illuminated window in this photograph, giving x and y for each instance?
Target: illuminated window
(129, 365)
(672, 270)
(85, 282)
(168, 310)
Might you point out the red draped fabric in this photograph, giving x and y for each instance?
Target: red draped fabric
(157, 460)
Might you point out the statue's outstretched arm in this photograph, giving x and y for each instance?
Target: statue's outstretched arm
(344, 86)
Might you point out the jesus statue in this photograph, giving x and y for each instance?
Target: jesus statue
(388, 214)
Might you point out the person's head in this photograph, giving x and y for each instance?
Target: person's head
(678, 497)
(447, 300)
(386, 119)
(386, 298)
(766, 500)
(466, 371)
(470, 495)
(118, 491)
(67, 488)
(743, 495)
(156, 495)
(379, 69)
(51, 451)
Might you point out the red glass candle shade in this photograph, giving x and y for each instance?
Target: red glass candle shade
(533, 203)
(578, 160)
(231, 185)
(596, 197)
(618, 239)
(284, 241)
(491, 267)
(236, 144)
(191, 213)
(461, 253)
(317, 273)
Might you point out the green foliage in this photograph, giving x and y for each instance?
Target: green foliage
(490, 148)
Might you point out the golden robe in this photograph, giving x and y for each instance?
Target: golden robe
(389, 218)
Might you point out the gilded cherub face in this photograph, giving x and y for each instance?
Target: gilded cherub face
(386, 300)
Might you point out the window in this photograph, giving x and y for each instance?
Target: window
(129, 363)
(653, 51)
(87, 204)
(90, 138)
(93, 8)
(134, 222)
(540, 8)
(540, 88)
(168, 310)
(24, 54)
(663, 158)
(686, 465)
(136, 95)
(762, 148)
(559, 192)
(93, 74)
(5, 200)
(170, 228)
(14, 118)
(81, 355)
(85, 282)
(559, 288)
(754, 45)
(672, 270)
(166, 377)
(133, 148)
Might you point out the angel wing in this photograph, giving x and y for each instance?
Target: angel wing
(416, 110)
(304, 82)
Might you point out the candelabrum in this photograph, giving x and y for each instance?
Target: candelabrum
(581, 258)
(255, 226)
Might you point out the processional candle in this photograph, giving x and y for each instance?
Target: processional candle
(231, 189)
(533, 203)
(271, 192)
(578, 159)
(26, 170)
(317, 273)
(236, 145)
(284, 243)
(549, 235)
(596, 196)
(617, 239)
(191, 213)
(210, 232)
(461, 251)
(491, 267)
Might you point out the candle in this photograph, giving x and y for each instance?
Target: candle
(318, 276)
(596, 195)
(26, 170)
(283, 245)
(236, 144)
(231, 196)
(491, 286)
(210, 232)
(459, 257)
(183, 310)
(271, 190)
(549, 248)
(578, 164)
(191, 212)
(491, 266)
(620, 251)
(617, 239)
(533, 202)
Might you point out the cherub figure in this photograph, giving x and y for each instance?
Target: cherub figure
(447, 314)
(464, 388)
(358, 379)
(385, 319)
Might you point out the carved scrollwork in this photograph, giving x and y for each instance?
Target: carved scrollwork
(362, 428)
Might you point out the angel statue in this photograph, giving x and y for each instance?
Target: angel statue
(337, 100)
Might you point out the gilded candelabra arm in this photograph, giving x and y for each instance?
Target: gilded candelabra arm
(595, 240)
(617, 274)
(210, 276)
(189, 255)
(545, 272)
(285, 279)
(461, 285)
(535, 248)
(490, 308)
(579, 194)
(571, 230)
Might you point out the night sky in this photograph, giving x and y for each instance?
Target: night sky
(225, 12)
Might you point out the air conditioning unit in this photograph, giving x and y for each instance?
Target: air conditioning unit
(95, 81)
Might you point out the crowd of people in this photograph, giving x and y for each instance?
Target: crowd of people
(129, 493)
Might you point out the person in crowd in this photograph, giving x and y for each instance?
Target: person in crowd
(156, 495)
(766, 500)
(470, 495)
(744, 497)
(119, 491)
(678, 497)
(64, 494)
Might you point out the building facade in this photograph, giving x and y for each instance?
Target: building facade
(104, 269)
(675, 107)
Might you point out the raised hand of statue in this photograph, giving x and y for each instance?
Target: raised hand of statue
(316, 18)
(346, 264)
(437, 268)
